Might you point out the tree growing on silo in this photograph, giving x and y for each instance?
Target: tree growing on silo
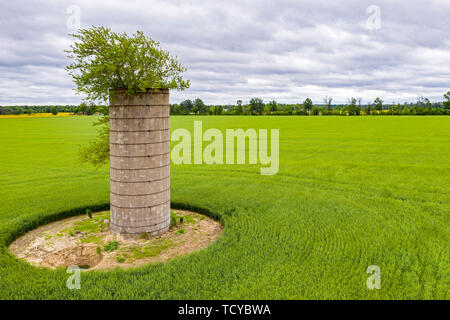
(135, 75)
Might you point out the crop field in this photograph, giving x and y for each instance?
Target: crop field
(351, 192)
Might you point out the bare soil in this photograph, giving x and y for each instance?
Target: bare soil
(90, 244)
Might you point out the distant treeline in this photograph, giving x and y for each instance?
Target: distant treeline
(16, 110)
(82, 109)
(256, 106)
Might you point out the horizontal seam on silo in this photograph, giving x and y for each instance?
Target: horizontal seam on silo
(156, 180)
(146, 207)
(167, 165)
(140, 195)
(150, 155)
(131, 144)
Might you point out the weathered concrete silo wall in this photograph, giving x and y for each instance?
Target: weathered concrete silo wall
(140, 162)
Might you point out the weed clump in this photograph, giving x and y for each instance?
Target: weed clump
(111, 246)
(181, 231)
(145, 236)
(178, 220)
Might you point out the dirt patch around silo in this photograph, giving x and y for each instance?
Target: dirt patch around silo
(88, 242)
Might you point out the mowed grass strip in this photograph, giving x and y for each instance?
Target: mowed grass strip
(351, 192)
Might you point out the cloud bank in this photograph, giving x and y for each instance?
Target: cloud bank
(282, 50)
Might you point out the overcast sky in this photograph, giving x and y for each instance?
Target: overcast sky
(282, 50)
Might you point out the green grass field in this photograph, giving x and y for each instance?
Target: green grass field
(351, 192)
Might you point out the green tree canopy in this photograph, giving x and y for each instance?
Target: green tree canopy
(273, 106)
(378, 104)
(256, 106)
(188, 105)
(200, 106)
(352, 108)
(104, 60)
(239, 107)
(447, 102)
(308, 105)
(97, 151)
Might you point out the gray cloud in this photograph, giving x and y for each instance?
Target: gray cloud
(283, 50)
